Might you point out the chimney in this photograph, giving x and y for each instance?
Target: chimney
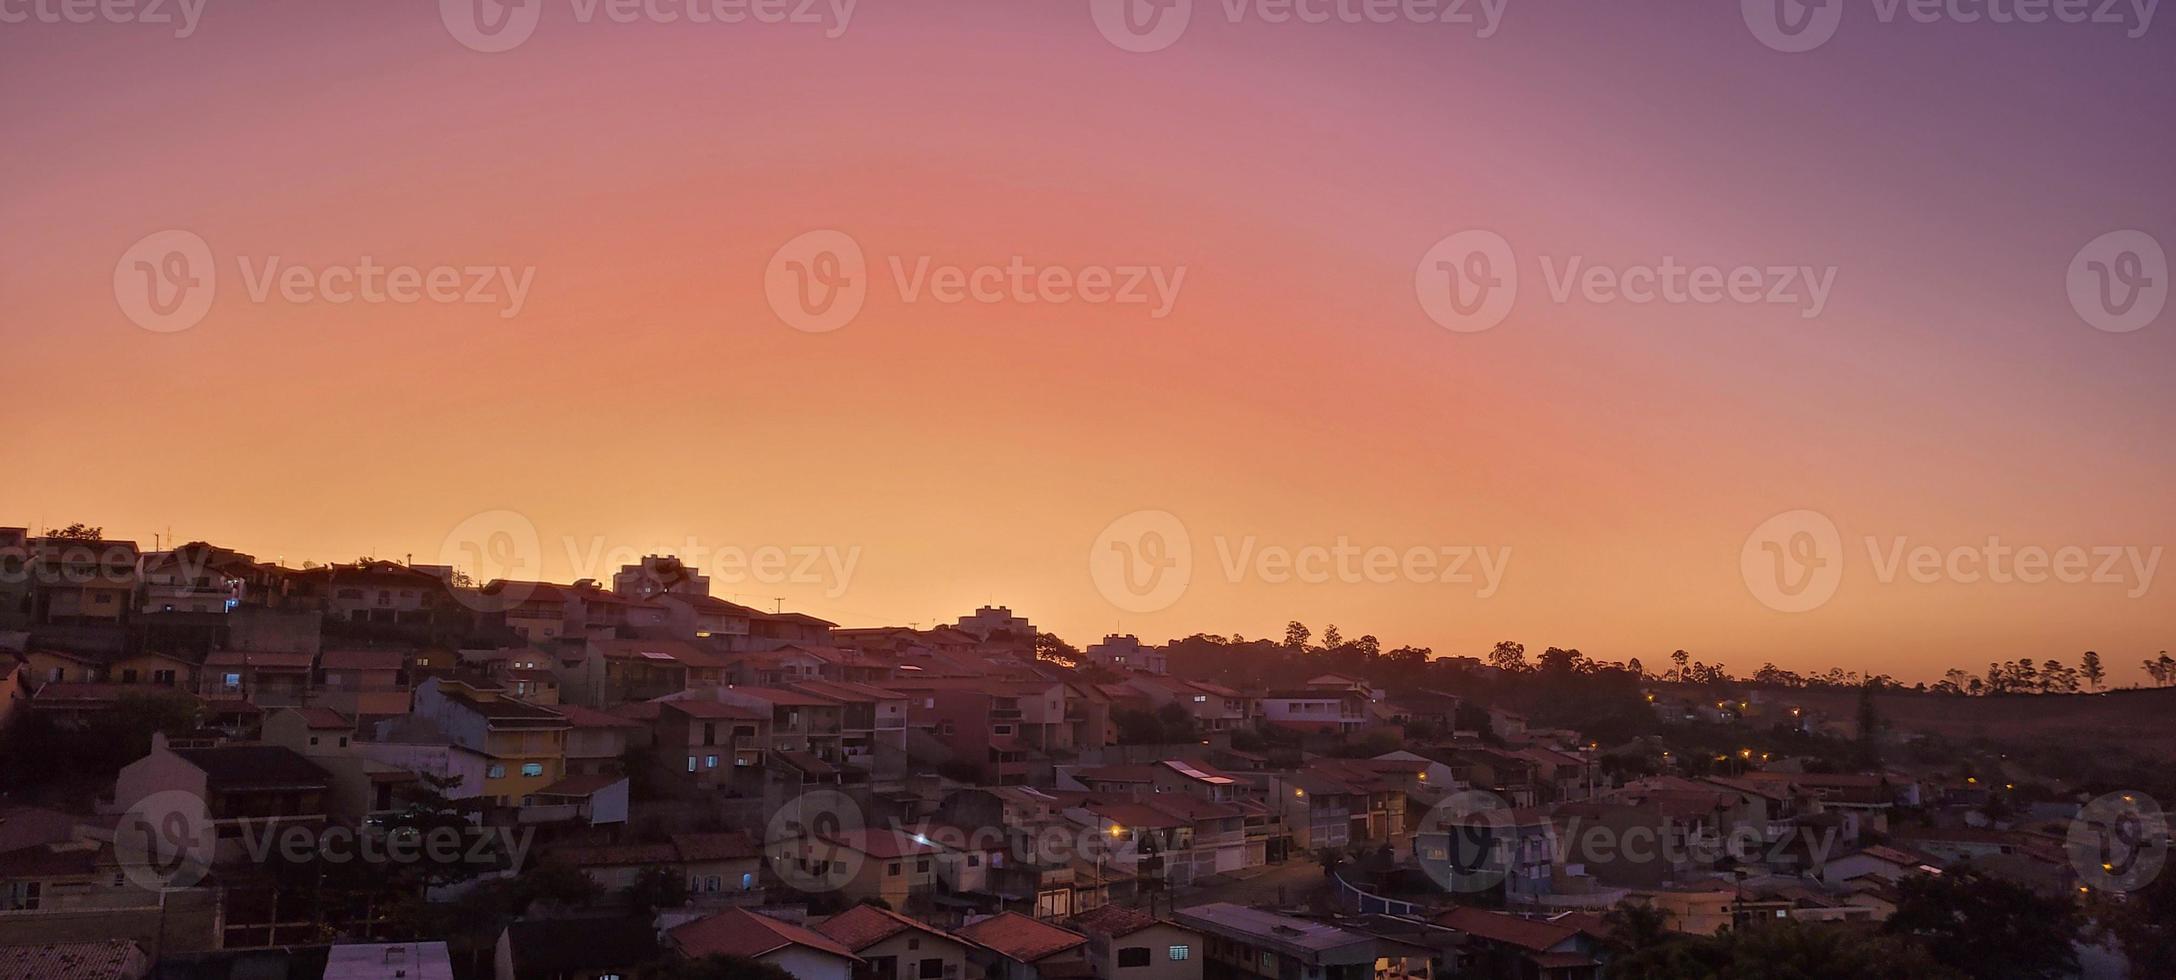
(158, 741)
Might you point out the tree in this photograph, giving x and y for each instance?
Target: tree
(1678, 660)
(1049, 647)
(1636, 928)
(79, 532)
(1869, 726)
(2089, 666)
(657, 888)
(1296, 635)
(1986, 926)
(1784, 949)
(1508, 656)
(1331, 638)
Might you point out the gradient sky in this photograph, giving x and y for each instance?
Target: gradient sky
(1298, 392)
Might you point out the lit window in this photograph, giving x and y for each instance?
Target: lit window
(532, 769)
(495, 771)
(1182, 952)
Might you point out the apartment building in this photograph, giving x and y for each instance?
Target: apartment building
(525, 745)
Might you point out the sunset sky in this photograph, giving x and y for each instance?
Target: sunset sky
(646, 392)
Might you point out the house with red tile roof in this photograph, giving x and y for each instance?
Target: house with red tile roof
(803, 952)
(896, 947)
(1011, 946)
(1129, 944)
(1563, 949)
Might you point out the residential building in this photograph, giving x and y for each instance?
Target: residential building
(803, 952)
(1129, 944)
(1247, 942)
(1125, 652)
(723, 746)
(894, 947)
(1340, 712)
(389, 961)
(362, 683)
(1011, 946)
(525, 745)
(1498, 944)
(658, 575)
(252, 790)
(998, 623)
(263, 678)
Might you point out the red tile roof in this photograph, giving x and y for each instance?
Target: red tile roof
(1020, 938)
(1498, 927)
(739, 932)
(1113, 921)
(863, 926)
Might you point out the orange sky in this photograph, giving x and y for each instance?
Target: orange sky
(1297, 392)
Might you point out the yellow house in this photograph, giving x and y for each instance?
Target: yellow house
(524, 745)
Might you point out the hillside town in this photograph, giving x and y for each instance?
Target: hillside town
(219, 767)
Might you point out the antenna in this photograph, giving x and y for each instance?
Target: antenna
(778, 604)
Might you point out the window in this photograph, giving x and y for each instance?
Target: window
(710, 762)
(313, 740)
(914, 942)
(532, 769)
(691, 763)
(495, 771)
(891, 870)
(1182, 953)
(921, 866)
(747, 882)
(932, 968)
(21, 896)
(343, 741)
(1132, 956)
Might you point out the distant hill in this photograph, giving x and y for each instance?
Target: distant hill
(2142, 720)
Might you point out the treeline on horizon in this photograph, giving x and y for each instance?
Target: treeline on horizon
(1263, 662)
